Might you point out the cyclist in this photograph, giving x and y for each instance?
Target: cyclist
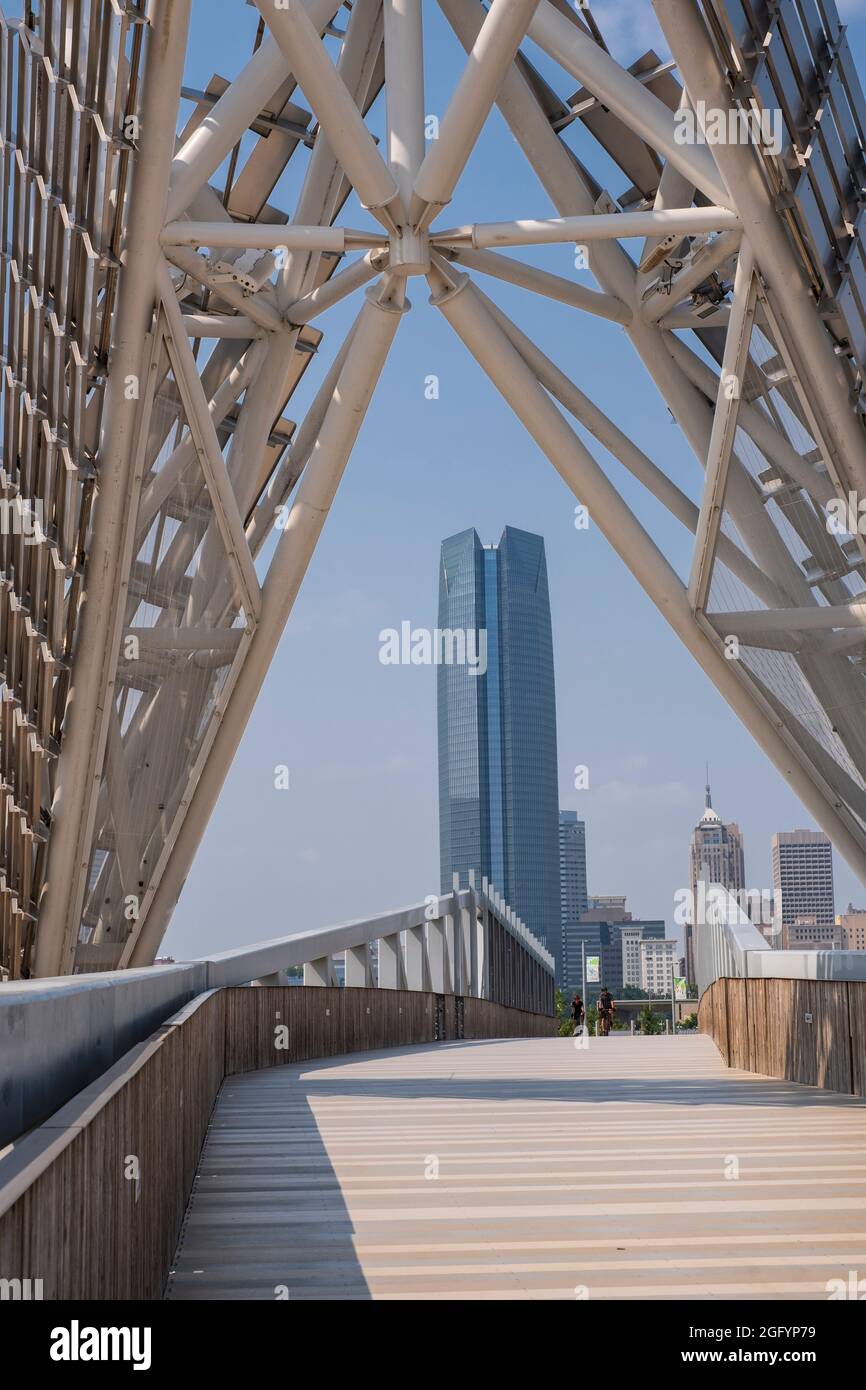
(606, 1009)
(576, 1013)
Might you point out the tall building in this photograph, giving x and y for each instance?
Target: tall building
(631, 938)
(657, 965)
(803, 887)
(611, 908)
(716, 849)
(572, 875)
(498, 793)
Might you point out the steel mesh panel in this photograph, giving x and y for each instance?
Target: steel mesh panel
(66, 89)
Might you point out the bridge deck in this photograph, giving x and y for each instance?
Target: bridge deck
(562, 1173)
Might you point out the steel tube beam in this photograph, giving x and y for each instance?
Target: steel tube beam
(622, 447)
(823, 619)
(629, 99)
(221, 326)
(160, 488)
(201, 425)
(404, 92)
(79, 767)
(224, 124)
(267, 236)
(492, 55)
(340, 118)
(731, 385)
(659, 306)
(377, 323)
(346, 281)
(675, 190)
(757, 425)
(232, 115)
(529, 277)
(258, 306)
(599, 227)
(787, 289)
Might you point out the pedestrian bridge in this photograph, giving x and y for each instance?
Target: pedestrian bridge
(421, 1132)
(525, 1169)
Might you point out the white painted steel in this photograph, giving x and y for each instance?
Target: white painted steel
(209, 453)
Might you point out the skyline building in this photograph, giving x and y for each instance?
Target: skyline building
(717, 849)
(618, 941)
(498, 785)
(657, 965)
(803, 890)
(573, 901)
(853, 924)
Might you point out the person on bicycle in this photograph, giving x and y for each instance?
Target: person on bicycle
(606, 1008)
(576, 1013)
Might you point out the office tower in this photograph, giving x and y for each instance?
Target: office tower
(853, 924)
(572, 875)
(657, 965)
(612, 907)
(807, 935)
(630, 936)
(498, 797)
(803, 888)
(716, 850)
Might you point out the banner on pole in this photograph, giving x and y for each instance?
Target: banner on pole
(681, 987)
(592, 970)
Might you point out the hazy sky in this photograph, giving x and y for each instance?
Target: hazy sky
(356, 833)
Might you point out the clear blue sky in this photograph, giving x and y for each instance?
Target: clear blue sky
(356, 833)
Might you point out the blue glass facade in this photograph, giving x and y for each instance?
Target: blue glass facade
(498, 800)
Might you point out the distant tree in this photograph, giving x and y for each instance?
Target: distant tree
(649, 1022)
(633, 992)
(562, 1008)
(689, 1023)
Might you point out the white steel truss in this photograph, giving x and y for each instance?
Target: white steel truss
(158, 312)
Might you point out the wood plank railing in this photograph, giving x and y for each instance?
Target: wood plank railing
(91, 1201)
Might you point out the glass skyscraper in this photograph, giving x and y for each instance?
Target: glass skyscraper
(498, 798)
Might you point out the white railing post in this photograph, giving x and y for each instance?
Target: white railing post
(436, 955)
(320, 971)
(359, 966)
(415, 957)
(452, 947)
(390, 964)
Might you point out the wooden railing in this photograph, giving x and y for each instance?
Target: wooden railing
(797, 1015)
(811, 1031)
(91, 1202)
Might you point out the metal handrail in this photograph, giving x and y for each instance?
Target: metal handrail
(59, 1034)
(729, 945)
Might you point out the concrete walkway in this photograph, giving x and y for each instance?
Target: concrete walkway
(635, 1168)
